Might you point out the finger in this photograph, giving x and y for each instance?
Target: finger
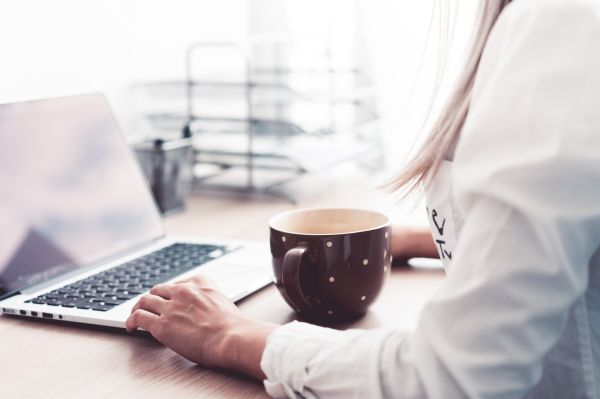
(201, 281)
(142, 318)
(151, 303)
(183, 280)
(196, 279)
(163, 290)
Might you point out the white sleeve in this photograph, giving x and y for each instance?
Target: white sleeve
(527, 180)
(305, 361)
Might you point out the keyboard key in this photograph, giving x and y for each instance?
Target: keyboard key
(111, 287)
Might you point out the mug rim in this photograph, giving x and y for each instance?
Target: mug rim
(292, 211)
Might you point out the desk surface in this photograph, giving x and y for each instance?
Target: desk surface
(52, 360)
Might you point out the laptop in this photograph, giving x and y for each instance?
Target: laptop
(81, 238)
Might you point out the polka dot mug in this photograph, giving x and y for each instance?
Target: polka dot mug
(330, 264)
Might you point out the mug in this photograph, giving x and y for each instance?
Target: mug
(330, 264)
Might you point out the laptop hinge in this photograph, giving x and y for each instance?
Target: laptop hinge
(9, 294)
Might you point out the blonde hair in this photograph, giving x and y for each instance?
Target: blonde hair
(443, 136)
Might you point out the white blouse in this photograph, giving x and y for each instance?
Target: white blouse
(519, 312)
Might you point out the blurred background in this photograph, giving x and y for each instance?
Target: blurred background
(262, 92)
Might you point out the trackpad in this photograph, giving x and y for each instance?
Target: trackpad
(241, 271)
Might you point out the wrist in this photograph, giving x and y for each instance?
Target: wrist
(243, 345)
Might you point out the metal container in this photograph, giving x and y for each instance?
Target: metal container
(168, 168)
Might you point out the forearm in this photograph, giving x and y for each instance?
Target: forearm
(244, 345)
(412, 242)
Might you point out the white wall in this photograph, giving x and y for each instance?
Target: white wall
(62, 47)
(393, 49)
(52, 48)
(404, 64)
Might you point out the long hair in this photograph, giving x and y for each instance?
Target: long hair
(443, 136)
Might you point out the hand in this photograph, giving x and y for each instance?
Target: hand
(196, 320)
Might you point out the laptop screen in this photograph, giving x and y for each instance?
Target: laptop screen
(71, 191)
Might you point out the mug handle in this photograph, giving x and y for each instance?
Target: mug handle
(291, 278)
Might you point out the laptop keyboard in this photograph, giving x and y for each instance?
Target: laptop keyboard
(112, 287)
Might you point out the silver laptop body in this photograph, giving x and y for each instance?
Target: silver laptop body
(76, 215)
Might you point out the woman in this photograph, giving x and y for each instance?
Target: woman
(513, 167)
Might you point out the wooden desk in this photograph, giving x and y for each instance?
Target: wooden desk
(55, 360)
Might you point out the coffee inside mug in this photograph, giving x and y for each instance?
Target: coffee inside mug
(328, 221)
(330, 263)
